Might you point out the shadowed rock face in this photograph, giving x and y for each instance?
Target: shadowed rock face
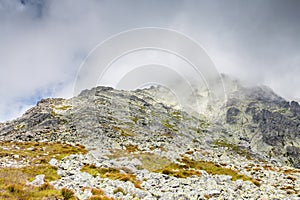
(267, 121)
(295, 108)
(232, 114)
(276, 127)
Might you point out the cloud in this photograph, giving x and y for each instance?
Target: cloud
(255, 41)
(39, 53)
(44, 42)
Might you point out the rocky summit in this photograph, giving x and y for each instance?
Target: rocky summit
(113, 144)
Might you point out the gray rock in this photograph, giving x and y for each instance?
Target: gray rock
(232, 114)
(53, 162)
(39, 180)
(213, 193)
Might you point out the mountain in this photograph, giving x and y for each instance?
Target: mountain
(115, 144)
(264, 122)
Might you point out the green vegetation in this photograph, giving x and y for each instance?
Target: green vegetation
(134, 119)
(132, 148)
(67, 193)
(203, 124)
(96, 191)
(19, 126)
(13, 180)
(124, 131)
(152, 162)
(22, 191)
(185, 168)
(234, 148)
(188, 167)
(197, 130)
(142, 107)
(215, 169)
(39, 152)
(176, 115)
(13, 186)
(62, 107)
(111, 173)
(179, 171)
(98, 194)
(149, 161)
(167, 124)
(119, 189)
(100, 197)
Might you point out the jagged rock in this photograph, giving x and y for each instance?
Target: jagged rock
(261, 120)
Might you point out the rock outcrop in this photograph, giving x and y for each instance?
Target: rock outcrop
(264, 122)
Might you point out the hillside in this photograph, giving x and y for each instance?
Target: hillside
(113, 144)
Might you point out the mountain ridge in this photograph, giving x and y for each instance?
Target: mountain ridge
(246, 148)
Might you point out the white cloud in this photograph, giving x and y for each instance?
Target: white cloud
(42, 43)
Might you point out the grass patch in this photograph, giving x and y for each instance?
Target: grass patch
(25, 192)
(203, 124)
(98, 194)
(100, 197)
(150, 161)
(39, 152)
(67, 193)
(188, 167)
(132, 148)
(152, 148)
(119, 189)
(185, 168)
(197, 130)
(111, 173)
(134, 119)
(216, 169)
(19, 126)
(234, 148)
(176, 115)
(166, 123)
(15, 188)
(37, 155)
(124, 131)
(179, 171)
(96, 191)
(62, 107)
(127, 152)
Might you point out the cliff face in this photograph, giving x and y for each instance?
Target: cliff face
(139, 146)
(265, 123)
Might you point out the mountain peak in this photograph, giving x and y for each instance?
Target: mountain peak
(141, 144)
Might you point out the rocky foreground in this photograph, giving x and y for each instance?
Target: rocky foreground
(110, 144)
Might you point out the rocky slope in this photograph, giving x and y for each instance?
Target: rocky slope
(139, 147)
(265, 123)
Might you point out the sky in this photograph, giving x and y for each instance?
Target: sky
(44, 42)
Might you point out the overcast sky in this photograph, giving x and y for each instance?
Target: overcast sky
(43, 43)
